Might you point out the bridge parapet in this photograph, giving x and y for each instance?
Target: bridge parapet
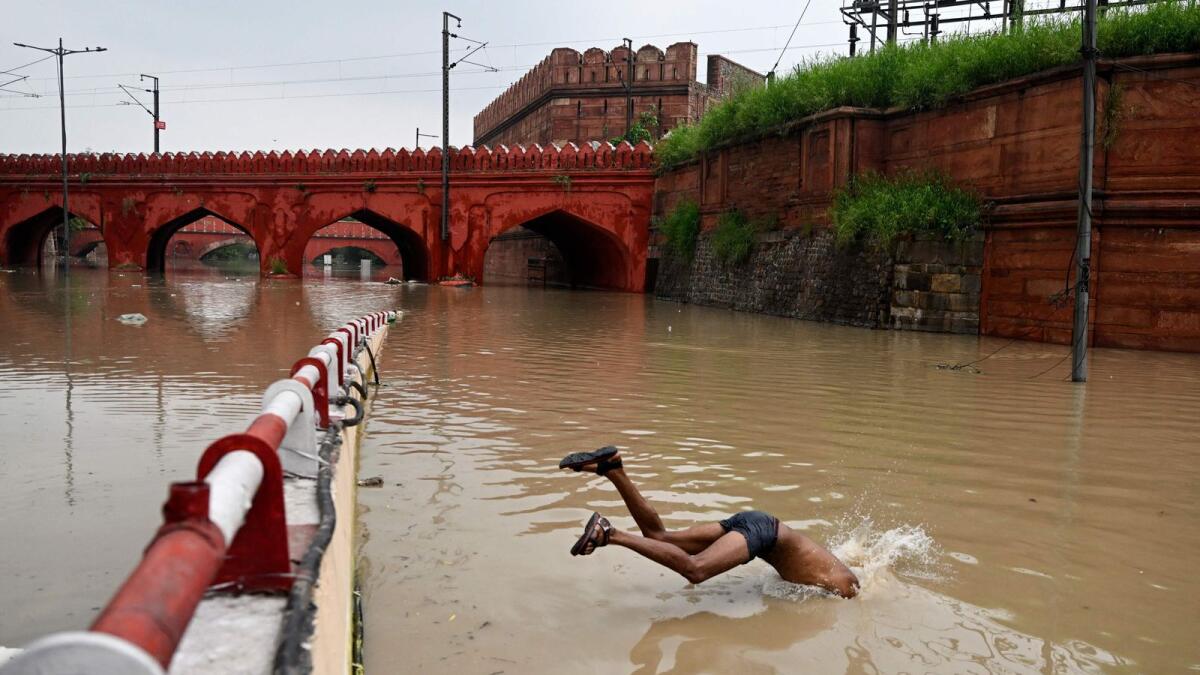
(592, 155)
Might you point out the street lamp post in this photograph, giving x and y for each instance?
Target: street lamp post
(60, 52)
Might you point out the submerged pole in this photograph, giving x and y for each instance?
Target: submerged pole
(1083, 250)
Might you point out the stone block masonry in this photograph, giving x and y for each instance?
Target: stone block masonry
(789, 273)
(936, 285)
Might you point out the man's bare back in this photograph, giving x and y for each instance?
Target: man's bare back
(801, 560)
(703, 551)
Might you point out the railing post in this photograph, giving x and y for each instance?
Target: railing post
(257, 558)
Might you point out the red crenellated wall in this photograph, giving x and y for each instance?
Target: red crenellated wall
(579, 97)
(591, 200)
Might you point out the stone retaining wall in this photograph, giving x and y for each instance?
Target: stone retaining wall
(925, 285)
(789, 273)
(935, 285)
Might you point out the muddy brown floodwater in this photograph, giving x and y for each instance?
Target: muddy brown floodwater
(1004, 521)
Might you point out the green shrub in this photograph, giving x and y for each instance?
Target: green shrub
(642, 130)
(278, 266)
(682, 226)
(733, 237)
(919, 76)
(878, 208)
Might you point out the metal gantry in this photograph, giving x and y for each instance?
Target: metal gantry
(888, 21)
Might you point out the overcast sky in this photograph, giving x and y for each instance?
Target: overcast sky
(257, 74)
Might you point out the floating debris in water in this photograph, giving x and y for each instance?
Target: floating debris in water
(964, 367)
(373, 481)
(393, 281)
(134, 319)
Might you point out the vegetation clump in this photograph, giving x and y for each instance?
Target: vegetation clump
(733, 238)
(681, 227)
(920, 76)
(642, 130)
(878, 209)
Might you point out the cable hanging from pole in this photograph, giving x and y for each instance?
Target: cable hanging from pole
(126, 89)
(771, 73)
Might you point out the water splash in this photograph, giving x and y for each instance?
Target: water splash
(872, 553)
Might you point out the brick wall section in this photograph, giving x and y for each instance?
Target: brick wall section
(936, 284)
(726, 77)
(578, 97)
(1017, 144)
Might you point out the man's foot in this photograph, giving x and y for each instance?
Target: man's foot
(597, 461)
(595, 534)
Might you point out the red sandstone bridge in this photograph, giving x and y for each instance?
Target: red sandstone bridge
(210, 234)
(593, 202)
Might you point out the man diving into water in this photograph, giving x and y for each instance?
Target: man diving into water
(703, 551)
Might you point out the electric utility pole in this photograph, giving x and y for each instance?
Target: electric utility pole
(420, 136)
(446, 16)
(60, 52)
(159, 125)
(892, 20)
(628, 85)
(1083, 244)
(446, 67)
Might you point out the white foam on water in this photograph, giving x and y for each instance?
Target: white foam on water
(1029, 572)
(871, 553)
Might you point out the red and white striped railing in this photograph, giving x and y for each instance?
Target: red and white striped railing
(225, 529)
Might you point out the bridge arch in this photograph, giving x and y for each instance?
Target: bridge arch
(158, 248)
(218, 245)
(381, 253)
(594, 256)
(411, 247)
(24, 241)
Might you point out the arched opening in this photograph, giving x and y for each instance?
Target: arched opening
(349, 257)
(391, 249)
(41, 240)
(230, 253)
(556, 249)
(196, 240)
(93, 252)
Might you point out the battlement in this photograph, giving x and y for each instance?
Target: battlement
(593, 155)
(593, 68)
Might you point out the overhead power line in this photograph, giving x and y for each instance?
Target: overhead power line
(771, 73)
(320, 80)
(380, 57)
(286, 97)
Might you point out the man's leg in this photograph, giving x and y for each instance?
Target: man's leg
(727, 552)
(692, 540)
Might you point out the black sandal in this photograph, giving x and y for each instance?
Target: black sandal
(577, 460)
(588, 535)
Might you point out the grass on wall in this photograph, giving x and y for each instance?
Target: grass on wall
(681, 227)
(919, 76)
(733, 238)
(877, 209)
